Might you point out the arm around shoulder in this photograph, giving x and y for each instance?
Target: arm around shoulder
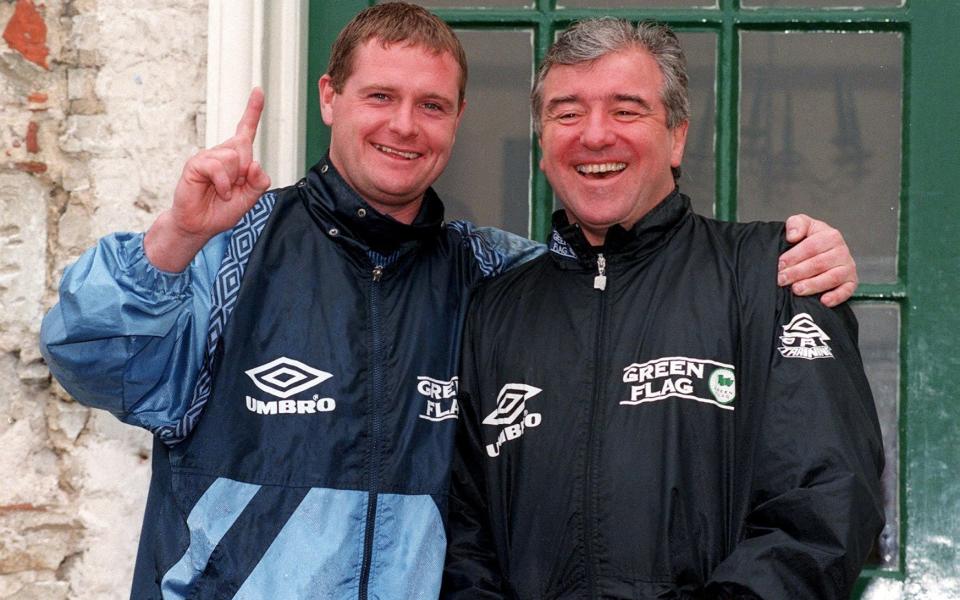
(496, 250)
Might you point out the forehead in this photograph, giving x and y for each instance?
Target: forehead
(632, 71)
(403, 62)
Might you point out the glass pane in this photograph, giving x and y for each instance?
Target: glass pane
(636, 3)
(488, 178)
(820, 120)
(823, 3)
(880, 347)
(470, 3)
(699, 167)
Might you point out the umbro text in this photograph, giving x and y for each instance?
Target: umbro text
(512, 432)
(291, 407)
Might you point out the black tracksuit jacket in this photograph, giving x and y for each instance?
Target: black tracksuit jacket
(690, 430)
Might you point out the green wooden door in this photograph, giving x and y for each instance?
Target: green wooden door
(850, 114)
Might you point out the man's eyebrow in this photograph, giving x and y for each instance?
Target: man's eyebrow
(554, 102)
(573, 98)
(375, 87)
(438, 98)
(631, 98)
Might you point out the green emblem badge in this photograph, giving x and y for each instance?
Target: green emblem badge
(723, 385)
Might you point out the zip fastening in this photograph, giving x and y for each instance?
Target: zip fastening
(376, 377)
(600, 281)
(600, 284)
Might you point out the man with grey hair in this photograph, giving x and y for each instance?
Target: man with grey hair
(643, 413)
(294, 351)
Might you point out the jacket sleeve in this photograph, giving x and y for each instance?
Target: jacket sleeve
(812, 456)
(472, 570)
(126, 337)
(495, 250)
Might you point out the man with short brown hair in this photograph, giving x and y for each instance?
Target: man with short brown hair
(295, 350)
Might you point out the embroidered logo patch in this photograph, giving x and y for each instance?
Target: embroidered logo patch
(723, 385)
(802, 338)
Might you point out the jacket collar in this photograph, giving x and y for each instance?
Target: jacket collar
(654, 229)
(337, 206)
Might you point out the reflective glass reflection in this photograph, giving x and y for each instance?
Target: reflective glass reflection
(880, 348)
(822, 3)
(488, 178)
(636, 4)
(470, 3)
(699, 167)
(820, 124)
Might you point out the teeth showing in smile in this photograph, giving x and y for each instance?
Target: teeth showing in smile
(601, 167)
(389, 150)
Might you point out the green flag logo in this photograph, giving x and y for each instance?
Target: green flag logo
(723, 385)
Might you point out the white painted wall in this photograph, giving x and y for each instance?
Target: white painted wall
(93, 143)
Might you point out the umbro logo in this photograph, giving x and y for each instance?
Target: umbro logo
(283, 378)
(512, 413)
(511, 402)
(802, 338)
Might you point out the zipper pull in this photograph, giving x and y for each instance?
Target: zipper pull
(600, 280)
(377, 273)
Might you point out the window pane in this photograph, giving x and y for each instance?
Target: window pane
(636, 3)
(823, 3)
(880, 347)
(820, 121)
(471, 3)
(488, 178)
(698, 178)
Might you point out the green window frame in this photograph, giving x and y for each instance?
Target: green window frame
(928, 275)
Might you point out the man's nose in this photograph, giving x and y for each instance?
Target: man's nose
(403, 121)
(597, 132)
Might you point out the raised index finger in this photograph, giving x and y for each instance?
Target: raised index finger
(247, 127)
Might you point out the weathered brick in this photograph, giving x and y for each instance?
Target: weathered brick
(92, 141)
(31, 166)
(36, 539)
(33, 585)
(33, 146)
(80, 82)
(26, 32)
(89, 133)
(22, 250)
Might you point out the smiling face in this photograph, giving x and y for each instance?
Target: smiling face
(607, 150)
(393, 124)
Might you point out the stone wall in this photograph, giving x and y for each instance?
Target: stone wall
(102, 101)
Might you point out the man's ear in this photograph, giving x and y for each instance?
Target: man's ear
(327, 95)
(679, 142)
(463, 107)
(540, 145)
